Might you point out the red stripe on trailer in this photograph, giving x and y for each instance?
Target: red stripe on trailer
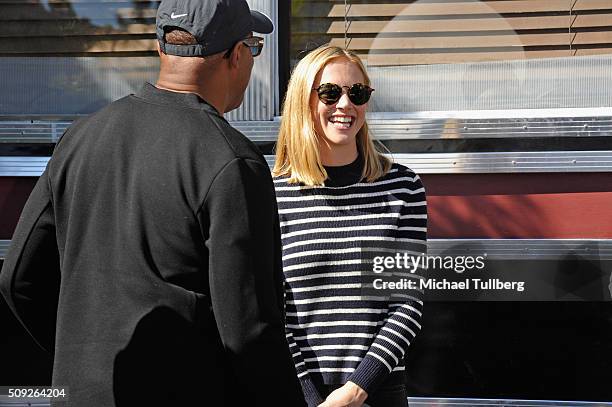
(465, 206)
(520, 206)
(14, 192)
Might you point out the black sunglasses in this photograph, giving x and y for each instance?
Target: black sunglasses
(330, 93)
(255, 45)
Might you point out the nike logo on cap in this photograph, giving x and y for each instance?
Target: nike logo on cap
(173, 16)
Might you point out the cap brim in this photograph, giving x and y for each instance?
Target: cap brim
(261, 23)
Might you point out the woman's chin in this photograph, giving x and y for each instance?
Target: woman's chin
(340, 138)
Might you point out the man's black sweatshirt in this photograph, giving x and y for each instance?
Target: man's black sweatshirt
(147, 260)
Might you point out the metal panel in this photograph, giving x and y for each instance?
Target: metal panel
(32, 131)
(5, 401)
(395, 126)
(23, 166)
(451, 163)
(546, 161)
(495, 114)
(522, 249)
(4, 245)
(49, 131)
(260, 97)
(519, 162)
(456, 126)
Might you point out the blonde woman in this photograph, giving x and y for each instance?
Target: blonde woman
(335, 191)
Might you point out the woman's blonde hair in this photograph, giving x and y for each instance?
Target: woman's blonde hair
(297, 152)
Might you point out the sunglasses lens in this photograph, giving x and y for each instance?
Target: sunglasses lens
(329, 93)
(359, 94)
(255, 45)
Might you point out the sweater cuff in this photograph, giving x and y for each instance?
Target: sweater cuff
(370, 374)
(311, 394)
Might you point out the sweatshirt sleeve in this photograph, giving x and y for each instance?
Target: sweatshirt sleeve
(402, 323)
(240, 222)
(30, 276)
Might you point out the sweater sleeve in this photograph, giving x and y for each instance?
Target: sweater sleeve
(239, 218)
(30, 277)
(402, 323)
(311, 394)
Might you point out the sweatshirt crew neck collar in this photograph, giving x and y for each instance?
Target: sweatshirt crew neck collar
(167, 97)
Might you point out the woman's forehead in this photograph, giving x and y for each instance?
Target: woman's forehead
(341, 69)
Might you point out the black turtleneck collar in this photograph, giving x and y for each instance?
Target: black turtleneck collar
(344, 175)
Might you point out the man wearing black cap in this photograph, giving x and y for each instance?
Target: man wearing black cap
(147, 258)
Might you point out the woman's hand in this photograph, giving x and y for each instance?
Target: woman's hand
(349, 395)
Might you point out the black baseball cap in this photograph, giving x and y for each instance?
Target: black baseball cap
(216, 24)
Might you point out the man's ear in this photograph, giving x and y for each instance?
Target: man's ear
(235, 57)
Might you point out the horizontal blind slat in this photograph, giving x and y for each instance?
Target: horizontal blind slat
(471, 25)
(458, 57)
(69, 28)
(476, 41)
(451, 8)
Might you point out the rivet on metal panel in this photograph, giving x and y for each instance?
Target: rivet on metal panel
(513, 162)
(525, 127)
(573, 161)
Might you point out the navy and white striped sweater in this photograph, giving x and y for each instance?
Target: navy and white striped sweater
(334, 333)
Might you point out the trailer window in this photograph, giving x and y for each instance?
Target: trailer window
(68, 58)
(468, 55)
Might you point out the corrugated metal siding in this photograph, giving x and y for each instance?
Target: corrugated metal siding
(260, 97)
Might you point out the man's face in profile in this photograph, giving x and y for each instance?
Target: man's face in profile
(244, 69)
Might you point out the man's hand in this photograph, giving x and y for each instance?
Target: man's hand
(349, 395)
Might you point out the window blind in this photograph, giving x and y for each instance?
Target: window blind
(386, 32)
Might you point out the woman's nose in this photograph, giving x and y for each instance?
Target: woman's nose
(344, 101)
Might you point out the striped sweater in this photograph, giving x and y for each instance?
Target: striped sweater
(336, 334)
